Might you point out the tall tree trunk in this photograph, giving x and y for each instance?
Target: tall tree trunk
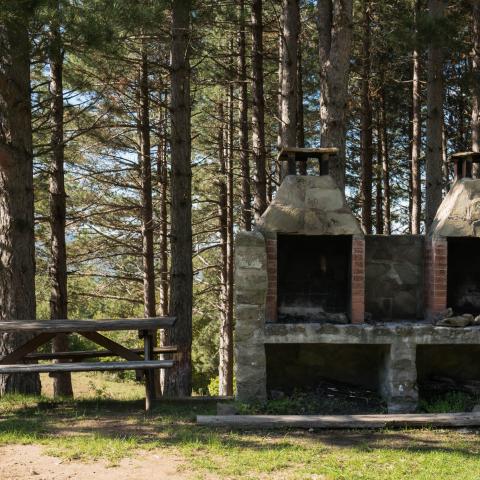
(243, 110)
(281, 46)
(62, 382)
(434, 118)
(475, 124)
(225, 367)
(379, 179)
(258, 112)
(230, 244)
(230, 209)
(289, 75)
(387, 220)
(145, 163)
(162, 176)
(178, 380)
(445, 169)
(17, 256)
(302, 167)
(335, 38)
(366, 124)
(416, 131)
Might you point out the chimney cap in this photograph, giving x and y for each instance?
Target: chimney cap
(463, 162)
(303, 154)
(474, 156)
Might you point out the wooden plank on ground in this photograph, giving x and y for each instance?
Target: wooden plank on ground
(66, 326)
(328, 422)
(82, 354)
(26, 348)
(86, 366)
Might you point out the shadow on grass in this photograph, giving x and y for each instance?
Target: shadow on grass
(170, 424)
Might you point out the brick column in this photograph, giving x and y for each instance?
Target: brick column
(271, 307)
(436, 253)
(358, 280)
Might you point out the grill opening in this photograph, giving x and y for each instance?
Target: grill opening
(314, 277)
(463, 277)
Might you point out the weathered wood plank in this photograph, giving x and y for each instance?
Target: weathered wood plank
(443, 420)
(26, 348)
(86, 366)
(115, 347)
(66, 326)
(82, 354)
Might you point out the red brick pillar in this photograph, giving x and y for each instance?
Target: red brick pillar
(358, 280)
(271, 300)
(436, 252)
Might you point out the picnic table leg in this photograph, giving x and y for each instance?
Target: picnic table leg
(149, 376)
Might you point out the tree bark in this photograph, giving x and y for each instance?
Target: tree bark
(17, 256)
(289, 75)
(387, 220)
(230, 251)
(475, 123)
(366, 124)
(62, 382)
(280, 78)
(178, 380)
(434, 118)
(416, 131)
(302, 167)
(162, 176)
(335, 37)
(258, 112)
(379, 225)
(225, 367)
(243, 111)
(145, 163)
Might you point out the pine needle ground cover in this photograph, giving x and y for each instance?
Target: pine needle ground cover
(99, 428)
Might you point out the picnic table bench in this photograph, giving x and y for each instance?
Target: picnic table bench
(41, 332)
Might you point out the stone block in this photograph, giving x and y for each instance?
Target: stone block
(323, 199)
(399, 378)
(291, 192)
(315, 222)
(343, 224)
(283, 218)
(250, 257)
(250, 279)
(249, 239)
(251, 296)
(250, 372)
(250, 320)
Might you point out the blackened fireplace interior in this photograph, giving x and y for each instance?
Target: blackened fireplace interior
(314, 277)
(463, 277)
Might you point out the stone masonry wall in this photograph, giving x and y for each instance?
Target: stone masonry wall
(394, 269)
(250, 295)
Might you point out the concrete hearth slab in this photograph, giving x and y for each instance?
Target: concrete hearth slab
(418, 333)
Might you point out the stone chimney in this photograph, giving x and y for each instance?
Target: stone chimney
(452, 234)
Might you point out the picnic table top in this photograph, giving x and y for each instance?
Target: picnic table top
(66, 326)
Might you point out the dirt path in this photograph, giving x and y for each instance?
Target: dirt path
(22, 462)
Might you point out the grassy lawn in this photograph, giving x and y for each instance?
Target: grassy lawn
(100, 428)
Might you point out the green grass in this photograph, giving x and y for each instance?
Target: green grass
(92, 429)
(449, 402)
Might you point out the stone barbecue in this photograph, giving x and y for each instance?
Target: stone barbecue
(317, 298)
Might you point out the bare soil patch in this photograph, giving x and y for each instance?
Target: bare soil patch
(22, 462)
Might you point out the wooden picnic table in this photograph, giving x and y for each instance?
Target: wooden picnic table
(41, 332)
